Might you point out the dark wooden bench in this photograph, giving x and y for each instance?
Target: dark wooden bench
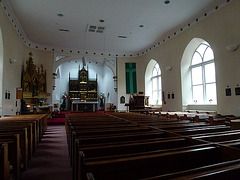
(152, 164)
(23, 143)
(224, 170)
(4, 164)
(14, 153)
(201, 130)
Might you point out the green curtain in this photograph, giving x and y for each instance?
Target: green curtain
(131, 78)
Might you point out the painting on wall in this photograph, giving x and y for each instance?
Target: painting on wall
(122, 99)
(228, 92)
(237, 91)
(131, 78)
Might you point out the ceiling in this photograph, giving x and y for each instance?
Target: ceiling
(61, 24)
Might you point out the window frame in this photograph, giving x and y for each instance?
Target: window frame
(202, 65)
(158, 90)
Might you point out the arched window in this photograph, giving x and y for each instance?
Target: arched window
(156, 85)
(203, 75)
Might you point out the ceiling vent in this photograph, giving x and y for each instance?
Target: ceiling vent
(97, 29)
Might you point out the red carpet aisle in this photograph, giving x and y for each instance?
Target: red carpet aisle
(51, 160)
(59, 119)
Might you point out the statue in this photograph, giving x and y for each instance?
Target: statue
(102, 101)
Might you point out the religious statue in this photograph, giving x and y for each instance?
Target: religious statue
(102, 101)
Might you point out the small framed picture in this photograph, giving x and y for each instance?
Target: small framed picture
(228, 92)
(237, 91)
(122, 99)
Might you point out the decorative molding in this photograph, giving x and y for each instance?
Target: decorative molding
(171, 34)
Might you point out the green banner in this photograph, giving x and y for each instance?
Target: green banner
(131, 78)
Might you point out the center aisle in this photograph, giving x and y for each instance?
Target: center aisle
(51, 160)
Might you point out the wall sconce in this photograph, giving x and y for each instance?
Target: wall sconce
(54, 87)
(168, 68)
(54, 75)
(12, 61)
(115, 83)
(232, 47)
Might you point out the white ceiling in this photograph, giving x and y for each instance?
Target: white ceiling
(40, 22)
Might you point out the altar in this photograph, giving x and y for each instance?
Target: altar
(81, 106)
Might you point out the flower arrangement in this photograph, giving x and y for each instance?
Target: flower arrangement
(210, 100)
(195, 100)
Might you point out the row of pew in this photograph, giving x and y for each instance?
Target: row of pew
(19, 138)
(136, 146)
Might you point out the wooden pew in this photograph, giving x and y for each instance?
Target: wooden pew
(4, 164)
(23, 143)
(224, 170)
(152, 164)
(99, 150)
(218, 137)
(14, 153)
(26, 130)
(201, 130)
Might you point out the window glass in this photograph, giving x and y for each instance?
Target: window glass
(201, 49)
(196, 58)
(156, 85)
(211, 93)
(210, 73)
(155, 97)
(154, 81)
(154, 72)
(159, 83)
(197, 75)
(208, 55)
(198, 94)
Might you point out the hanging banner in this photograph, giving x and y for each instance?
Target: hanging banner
(131, 78)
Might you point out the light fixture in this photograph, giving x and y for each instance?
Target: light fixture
(168, 68)
(115, 83)
(84, 60)
(167, 1)
(232, 47)
(12, 61)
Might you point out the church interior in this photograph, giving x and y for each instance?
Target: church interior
(98, 90)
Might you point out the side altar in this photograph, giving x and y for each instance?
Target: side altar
(34, 88)
(82, 92)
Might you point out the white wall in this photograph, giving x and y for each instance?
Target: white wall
(219, 30)
(13, 48)
(1, 71)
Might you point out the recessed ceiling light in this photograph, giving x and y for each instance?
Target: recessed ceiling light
(167, 1)
(60, 15)
(141, 25)
(101, 20)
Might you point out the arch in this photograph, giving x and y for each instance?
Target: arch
(148, 80)
(1, 71)
(78, 57)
